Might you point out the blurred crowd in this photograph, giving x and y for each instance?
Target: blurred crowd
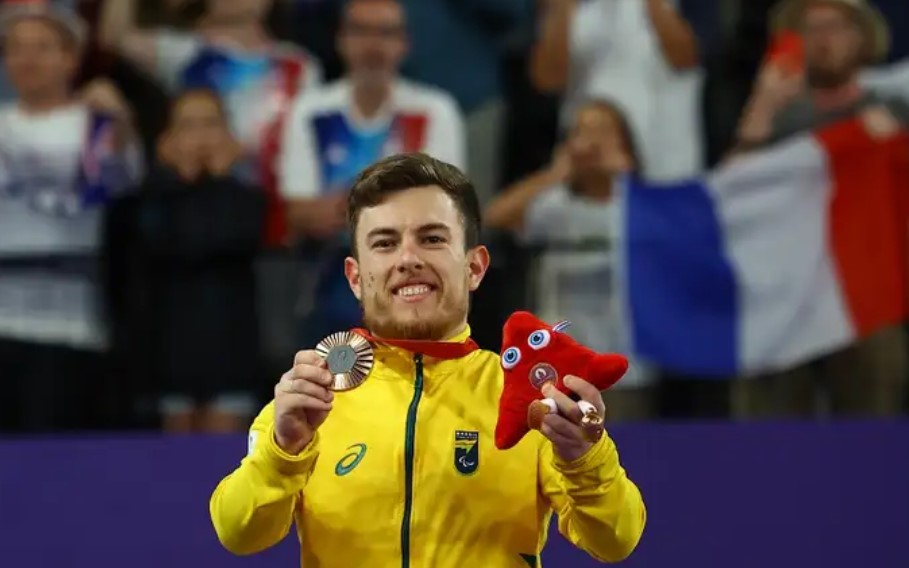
(173, 179)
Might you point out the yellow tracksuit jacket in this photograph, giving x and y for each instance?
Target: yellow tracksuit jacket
(405, 472)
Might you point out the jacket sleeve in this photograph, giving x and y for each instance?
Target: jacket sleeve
(253, 508)
(600, 510)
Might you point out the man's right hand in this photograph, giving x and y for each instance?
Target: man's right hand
(302, 401)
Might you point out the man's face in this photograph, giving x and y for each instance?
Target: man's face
(834, 45)
(413, 276)
(238, 11)
(36, 58)
(197, 126)
(373, 40)
(596, 142)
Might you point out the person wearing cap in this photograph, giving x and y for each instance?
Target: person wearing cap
(814, 81)
(62, 155)
(819, 79)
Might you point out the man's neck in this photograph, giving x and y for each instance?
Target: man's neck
(370, 100)
(837, 97)
(246, 35)
(44, 102)
(461, 328)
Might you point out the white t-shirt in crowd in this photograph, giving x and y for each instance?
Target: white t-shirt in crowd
(325, 147)
(257, 87)
(615, 55)
(576, 270)
(57, 171)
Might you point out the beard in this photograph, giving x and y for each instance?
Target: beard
(425, 322)
(832, 76)
(827, 78)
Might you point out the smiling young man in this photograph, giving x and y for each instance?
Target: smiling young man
(403, 468)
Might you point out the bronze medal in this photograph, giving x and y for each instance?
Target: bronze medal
(349, 357)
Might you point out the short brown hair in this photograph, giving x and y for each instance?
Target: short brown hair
(408, 171)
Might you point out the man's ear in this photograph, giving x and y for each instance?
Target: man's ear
(352, 273)
(477, 265)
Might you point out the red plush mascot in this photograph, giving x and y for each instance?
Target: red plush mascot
(533, 354)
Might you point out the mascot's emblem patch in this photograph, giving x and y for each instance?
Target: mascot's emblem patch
(466, 451)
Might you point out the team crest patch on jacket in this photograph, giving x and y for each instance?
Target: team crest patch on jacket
(466, 451)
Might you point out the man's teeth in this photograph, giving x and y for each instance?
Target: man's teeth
(414, 290)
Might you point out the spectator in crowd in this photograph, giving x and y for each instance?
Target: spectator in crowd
(819, 82)
(231, 52)
(6, 90)
(838, 39)
(569, 210)
(643, 55)
(62, 157)
(179, 264)
(336, 132)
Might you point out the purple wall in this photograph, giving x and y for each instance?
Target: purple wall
(719, 496)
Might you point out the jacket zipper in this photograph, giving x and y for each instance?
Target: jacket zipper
(409, 433)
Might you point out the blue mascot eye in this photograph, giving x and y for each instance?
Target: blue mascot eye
(538, 339)
(510, 357)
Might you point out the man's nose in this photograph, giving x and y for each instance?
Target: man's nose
(578, 148)
(410, 257)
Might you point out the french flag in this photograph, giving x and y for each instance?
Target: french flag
(774, 259)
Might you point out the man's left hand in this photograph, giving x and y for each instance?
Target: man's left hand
(569, 438)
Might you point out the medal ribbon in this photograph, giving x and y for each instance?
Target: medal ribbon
(435, 349)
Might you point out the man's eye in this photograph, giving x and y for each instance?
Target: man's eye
(434, 240)
(384, 243)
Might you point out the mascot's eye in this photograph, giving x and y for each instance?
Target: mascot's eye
(538, 339)
(510, 357)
